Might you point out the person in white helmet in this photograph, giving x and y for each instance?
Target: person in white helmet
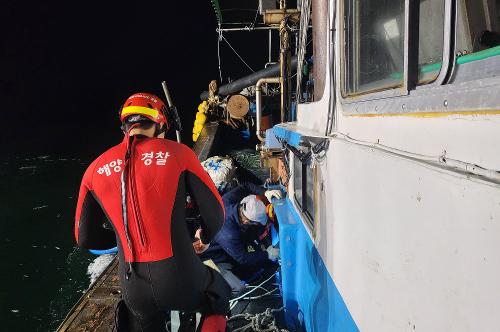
(234, 248)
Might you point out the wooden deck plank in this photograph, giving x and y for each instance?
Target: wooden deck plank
(95, 310)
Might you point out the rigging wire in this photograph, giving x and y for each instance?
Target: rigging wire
(251, 26)
(260, 287)
(219, 38)
(262, 295)
(239, 56)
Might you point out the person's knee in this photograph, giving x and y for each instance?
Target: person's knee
(218, 294)
(237, 285)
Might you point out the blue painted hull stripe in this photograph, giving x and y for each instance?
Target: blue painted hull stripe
(311, 299)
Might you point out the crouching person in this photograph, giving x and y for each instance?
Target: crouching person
(235, 249)
(140, 186)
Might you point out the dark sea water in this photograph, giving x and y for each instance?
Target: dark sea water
(43, 273)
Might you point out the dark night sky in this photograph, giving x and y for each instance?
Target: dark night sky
(65, 68)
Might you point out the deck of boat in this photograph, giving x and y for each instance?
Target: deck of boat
(95, 311)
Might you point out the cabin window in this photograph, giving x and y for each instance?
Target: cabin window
(478, 26)
(303, 183)
(297, 181)
(374, 45)
(309, 192)
(431, 39)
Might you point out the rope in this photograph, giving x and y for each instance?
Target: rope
(261, 322)
(234, 302)
(251, 291)
(213, 99)
(260, 287)
(283, 31)
(262, 295)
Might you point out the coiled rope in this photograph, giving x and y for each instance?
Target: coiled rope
(262, 322)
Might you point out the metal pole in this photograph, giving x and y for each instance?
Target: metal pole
(258, 103)
(171, 105)
(285, 66)
(246, 29)
(273, 27)
(270, 46)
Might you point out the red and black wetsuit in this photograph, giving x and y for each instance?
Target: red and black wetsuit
(159, 269)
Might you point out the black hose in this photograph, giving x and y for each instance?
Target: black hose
(244, 82)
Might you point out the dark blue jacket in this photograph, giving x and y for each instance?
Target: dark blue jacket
(230, 243)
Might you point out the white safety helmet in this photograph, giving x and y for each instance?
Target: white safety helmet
(254, 209)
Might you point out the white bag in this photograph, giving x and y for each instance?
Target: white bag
(222, 171)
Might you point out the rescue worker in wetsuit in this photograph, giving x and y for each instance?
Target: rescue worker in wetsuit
(140, 187)
(234, 248)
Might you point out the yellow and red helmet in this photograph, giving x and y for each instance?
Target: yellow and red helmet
(147, 105)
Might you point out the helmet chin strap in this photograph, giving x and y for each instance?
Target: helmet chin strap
(127, 132)
(158, 130)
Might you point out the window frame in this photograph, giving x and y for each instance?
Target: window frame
(411, 68)
(302, 204)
